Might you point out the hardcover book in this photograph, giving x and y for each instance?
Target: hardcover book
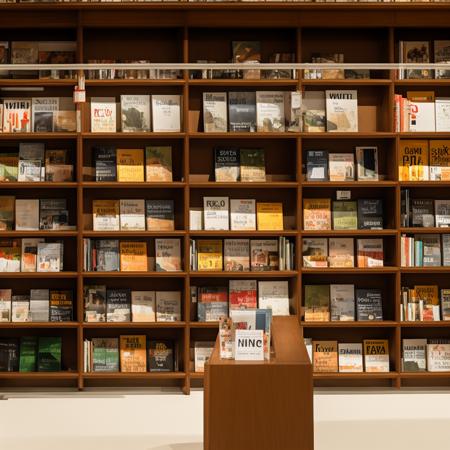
(247, 52)
(350, 358)
(345, 215)
(314, 117)
(61, 306)
(264, 255)
(317, 303)
(341, 166)
(95, 303)
(7, 207)
(16, 115)
(209, 254)
(215, 112)
(237, 255)
(28, 354)
(168, 255)
(31, 162)
(439, 160)
(212, 303)
(370, 214)
(132, 215)
(118, 305)
(414, 355)
(9, 256)
(422, 212)
(135, 113)
(342, 110)
(166, 113)
(317, 214)
(370, 252)
(270, 111)
(105, 354)
(243, 294)
(103, 115)
(216, 213)
(369, 305)
(133, 353)
(342, 302)
(442, 213)
(341, 252)
(168, 306)
(441, 55)
(9, 355)
(242, 214)
(5, 305)
(315, 252)
(161, 356)
(20, 308)
(274, 295)
(442, 114)
(106, 214)
(57, 168)
(105, 164)
(413, 160)
(438, 355)
(242, 111)
(43, 110)
(269, 216)
(317, 165)
(53, 214)
(158, 164)
(9, 163)
(325, 356)
(376, 355)
(202, 353)
(49, 354)
(160, 215)
(130, 165)
(226, 164)
(107, 255)
(49, 257)
(133, 256)
(367, 163)
(253, 166)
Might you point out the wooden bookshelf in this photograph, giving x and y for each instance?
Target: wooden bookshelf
(184, 32)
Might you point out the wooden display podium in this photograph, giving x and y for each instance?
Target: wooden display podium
(261, 405)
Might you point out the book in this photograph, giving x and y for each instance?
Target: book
(20, 308)
(158, 164)
(370, 214)
(132, 214)
(31, 162)
(431, 250)
(249, 53)
(29, 254)
(376, 355)
(270, 111)
(61, 306)
(28, 354)
(413, 160)
(317, 303)
(367, 163)
(350, 358)
(274, 295)
(441, 55)
(168, 306)
(161, 356)
(7, 210)
(341, 252)
(53, 214)
(253, 166)
(446, 249)
(9, 355)
(369, 305)
(269, 216)
(166, 113)
(317, 165)
(133, 256)
(236, 255)
(341, 166)
(105, 354)
(415, 52)
(118, 305)
(345, 215)
(325, 356)
(107, 255)
(135, 113)
(242, 214)
(40, 305)
(422, 212)
(315, 252)
(439, 160)
(342, 302)
(370, 252)
(422, 117)
(445, 304)
(414, 353)
(215, 112)
(202, 353)
(216, 213)
(212, 303)
(27, 215)
(168, 255)
(65, 119)
(106, 215)
(226, 164)
(314, 116)
(342, 110)
(43, 110)
(9, 256)
(105, 164)
(133, 353)
(9, 163)
(49, 354)
(49, 257)
(438, 355)
(94, 303)
(103, 115)
(160, 215)
(130, 165)
(242, 111)
(442, 114)
(16, 115)
(209, 255)
(57, 52)
(442, 213)
(57, 169)
(264, 255)
(242, 294)
(5, 305)
(317, 214)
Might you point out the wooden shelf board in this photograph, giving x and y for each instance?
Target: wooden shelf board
(134, 274)
(131, 136)
(361, 375)
(425, 230)
(440, 269)
(37, 136)
(214, 325)
(44, 82)
(426, 324)
(241, 185)
(349, 270)
(354, 135)
(384, 232)
(37, 185)
(137, 185)
(242, 82)
(422, 184)
(127, 325)
(349, 184)
(430, 82)
(38, 274)
(228, 233)
(425, 135)
(105, 234)
(197, 375)
(347, 82)
(268, 274)
(232, 135)
(424, 375)
(38, 325)
(350, 324)
(38, 233)
(134, 375)
(134, 82)
(63, 375)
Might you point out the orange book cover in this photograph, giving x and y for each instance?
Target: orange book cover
(133, 354)
(133, 257)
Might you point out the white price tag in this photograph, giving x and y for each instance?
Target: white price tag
(343, 195)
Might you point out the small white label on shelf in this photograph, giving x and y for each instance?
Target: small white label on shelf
(343, 195)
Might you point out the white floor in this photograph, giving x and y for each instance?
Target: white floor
(166, 421)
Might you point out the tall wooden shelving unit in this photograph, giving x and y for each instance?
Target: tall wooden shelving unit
(186, 32)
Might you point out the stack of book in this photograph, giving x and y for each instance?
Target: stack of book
(422, 303)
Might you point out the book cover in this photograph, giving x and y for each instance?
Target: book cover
(49, 257)
(247, 52)
(367, 163)
(226, 164)
(422, 115)
(341, 252)
(160, 215)
(118, 305)
(242, 214)
(342, 110)
(43, 110)
(57, 168)
(350, 358)
(49, 354)
(438, 355)
(168, 255)
(16, 115)
(317, 303)
(5, 305)
(7, 210)
(202, 353)
(105, 164)
(315, 252)
(132, 214)
(342, 302)
(10, 256)
(341, 166)
(143, 306)
(53, 214)
(264, 255)
(212, 303)
(103, 115)
(166, 111)
(370, 252)
(40, 305)
(107, 255)
(376, 355)
(422, 212)
(28, 353)
(274, 295)
(442, 114)
(31, 162)
(209, 254)
(9, 355)
(269, 216)
(94, 303)
(345, 215)
(370, 214)
(369, 305)
(242, 111)
(158, 164)
(133, 256)
(270, 111)
(216, 213)
(314, 116)
(106, 214)
(442, 213)
(130, 165)
(133, 353)
(168, 306)
(413, 160)
(242, 294)
(105, 354)
(9, 164)
(325, 356)
(317, 214)
(317, 165)
(414, 355)
(445, 304)
(439, 160)
(161, 356)
(253, 166)
(135, 113)
(215, 112)
(416, 52)
(61, 306)
(441, 55)
(236, 255)
(20, 308)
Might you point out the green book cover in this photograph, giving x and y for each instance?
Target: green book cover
(9, 164)
(345, 215)
(28, 354)
(253, 166)
(317, 302)
(105, 354)
(49, 357)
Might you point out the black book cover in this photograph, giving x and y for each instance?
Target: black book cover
(370, 214)
(317, 165)
(160, 356)
(61, 306)
(242, 111)
(227, 160)
(369, 304)
(9, 355)
(422, 212)
(105, 164)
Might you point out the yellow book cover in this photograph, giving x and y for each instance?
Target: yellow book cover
(325, 356)
(269, 216)
(130, 165)
(133, 353)
(440, 160)
(317, 214)
(429, 294)
(209, 254)
(105, 215)
(413, 161)
(133, 257)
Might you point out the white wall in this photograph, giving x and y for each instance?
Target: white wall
(165, 421)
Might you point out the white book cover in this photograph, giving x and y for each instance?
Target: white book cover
(40, 305)
(103, 115)
(215, 112)
(442, 213)
(243, 214)
(31, 162)
(438, 357)
(243, 350)
(168, 306)
(341, 166)
(350, 358)
(20, 310)
(143, 306)
(216, 213)
(341, 252)
(315, 252)
(342, 302)
(376, 363)
(49, 257)
(28, 261)
(5, 305)
(414, 355)
(166, 111)
(27, 215)
(270, 111)
(442, 111)
(195, 219)
(246, 318)
(135, 113)
(105, 215)
(43, 113)
(168, 255)
(132, 215)
(236, 255)
(274, 295)
(202, 352)
(342, 110)
(422, 116)
(16, 115)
